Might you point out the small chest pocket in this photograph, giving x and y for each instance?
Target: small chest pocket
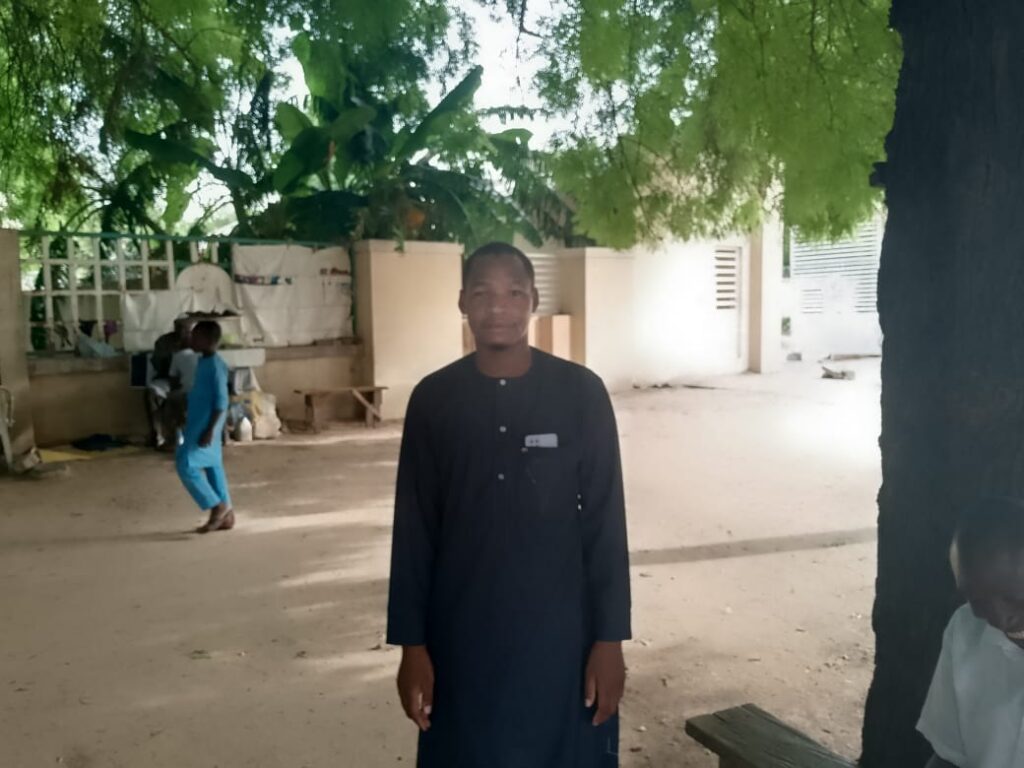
(550, 473)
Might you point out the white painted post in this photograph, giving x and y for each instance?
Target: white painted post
(13, 332)
(765, 336)
(169, 253)
(145, 265)
(97, 282)
(51, 326)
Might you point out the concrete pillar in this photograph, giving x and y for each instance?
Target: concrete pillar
(13, 341)
(407, 313)
(597, 291)
(765, 337)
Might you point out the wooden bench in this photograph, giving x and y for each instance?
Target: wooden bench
(316, 398)
(748, 737)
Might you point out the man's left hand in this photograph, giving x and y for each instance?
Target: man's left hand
(206, 438)
(605, 680)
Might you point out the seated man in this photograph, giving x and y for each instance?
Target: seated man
(164, 420)
(974, 713)
(182, 376)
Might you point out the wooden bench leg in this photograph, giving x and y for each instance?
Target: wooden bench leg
(372, 409)
(378, 406)
(314, 411)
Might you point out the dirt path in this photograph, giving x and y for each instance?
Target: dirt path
(128, 643)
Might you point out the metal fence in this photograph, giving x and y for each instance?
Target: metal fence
(74, 282)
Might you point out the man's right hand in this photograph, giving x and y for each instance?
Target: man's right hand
(416, 684)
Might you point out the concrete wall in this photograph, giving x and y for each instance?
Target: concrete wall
(832, 294)
(291, 368)
(13, 333)
(573, 286)
(407, 313)
(71, 404)
(679, 332)
(74, 398)
(837, 329)
(609, 316)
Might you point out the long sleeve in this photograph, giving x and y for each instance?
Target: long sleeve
(220, 383)
(605, 547)
(940, 718)
(416, 524)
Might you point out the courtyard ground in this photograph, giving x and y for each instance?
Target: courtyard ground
(129, 643)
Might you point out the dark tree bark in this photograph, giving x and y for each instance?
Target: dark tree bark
(951, 298)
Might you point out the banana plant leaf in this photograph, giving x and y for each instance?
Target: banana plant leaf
(170, 152)
(290, 121)
(410, 141)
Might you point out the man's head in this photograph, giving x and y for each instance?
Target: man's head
(988, 559)
(498, 295)
(183, 329)
(206, 337)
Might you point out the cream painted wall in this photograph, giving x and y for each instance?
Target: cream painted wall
(13, 366)
(407, 313)
(572, 265)
(69, 405)
(282, 377)
(609, 319)
(678, 332)
(766, 297)
(838, 329)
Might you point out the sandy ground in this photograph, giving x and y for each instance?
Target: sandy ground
(126, 642)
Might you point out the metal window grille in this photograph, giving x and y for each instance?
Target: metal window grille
(73, 283)
(853, 260)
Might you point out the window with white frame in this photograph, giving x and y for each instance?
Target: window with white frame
(73, 285)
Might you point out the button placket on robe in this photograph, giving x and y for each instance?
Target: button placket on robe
(501, 438)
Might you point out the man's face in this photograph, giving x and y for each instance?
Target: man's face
(184, 329)
(995, 590)
(498, 300)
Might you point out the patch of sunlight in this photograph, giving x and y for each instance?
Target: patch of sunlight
(338, 437)
(253, 484)
(367, 666)
(327, 605)
(293, 522)
(166, 701)
(328, 576)
(848, 429)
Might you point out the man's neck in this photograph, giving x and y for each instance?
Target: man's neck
(504, 362)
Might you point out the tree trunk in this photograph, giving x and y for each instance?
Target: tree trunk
(951, 299)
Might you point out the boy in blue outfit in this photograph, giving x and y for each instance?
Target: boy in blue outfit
(199, 457)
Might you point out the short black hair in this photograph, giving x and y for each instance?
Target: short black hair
(494, 250)
(989, 527)
(208, 328)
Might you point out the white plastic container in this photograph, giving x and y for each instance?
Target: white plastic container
(243, 431)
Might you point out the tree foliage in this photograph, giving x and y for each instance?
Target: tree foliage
(691, 115)
(85, 85)
(355, 162)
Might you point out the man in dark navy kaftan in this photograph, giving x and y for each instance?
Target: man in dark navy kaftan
(510, 567)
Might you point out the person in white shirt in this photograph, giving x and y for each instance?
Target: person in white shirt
(183, 370)
(974, 713)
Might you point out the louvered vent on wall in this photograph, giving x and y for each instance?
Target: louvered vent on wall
(812, 301)
(854, 259)
(727, 278)
(548, 282)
